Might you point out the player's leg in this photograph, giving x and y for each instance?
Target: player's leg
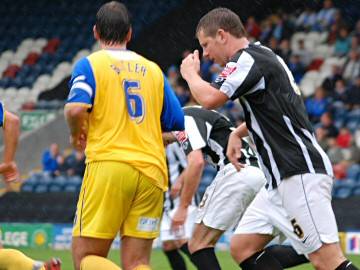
(11, 259)
(107, 189)
(135, 253)
(248, 251)
(286, 255)
(313, 219)
(141, 225)
(253, 233)
(171, 242)
(172, 252)
(221, 208)
(85, 246)
(92, 262)
(201, 247)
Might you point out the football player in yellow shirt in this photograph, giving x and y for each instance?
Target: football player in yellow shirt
(119, 104)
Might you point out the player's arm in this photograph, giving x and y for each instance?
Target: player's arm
(80, 102)
(239, 77)
(177, 186)
(233, 151)
(192, 177)
(172, 115)
(11, 130)
(76, 118)
(192, 141)
(241, 131)
(205, 94)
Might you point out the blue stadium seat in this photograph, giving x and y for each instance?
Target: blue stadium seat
(69, 187)
(356, 190)
(353, 172)
(41, 188)
(55, 187)
(60, 179)
(27, 187)
(343, 189)
(45, 179)
(75, 180)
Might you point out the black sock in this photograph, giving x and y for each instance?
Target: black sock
(175, 259)
(260, 261)
(346, 265)
(185, 249)
(205, 259)
(286, 255)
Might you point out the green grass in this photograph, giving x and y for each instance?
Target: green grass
(158, 260)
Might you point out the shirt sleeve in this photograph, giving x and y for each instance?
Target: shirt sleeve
(172, 116)
(239, 77)
(2, 115)
(82, 84)
(194, 137)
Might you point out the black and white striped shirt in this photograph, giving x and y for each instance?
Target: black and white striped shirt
(209, 131)
(275, 114)
(176, 161)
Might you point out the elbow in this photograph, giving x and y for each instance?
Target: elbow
(197, 161)
(74, 112)
(199, 164)
(210, 103)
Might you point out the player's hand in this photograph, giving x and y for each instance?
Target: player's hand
(175, 189)
(78, 142)
(233, 151)
(10, 171)
(190, 65)
(178, 220)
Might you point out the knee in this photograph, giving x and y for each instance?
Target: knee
(240, 250)
(329, 256)
(317, 263)
(135, 264)
(168, 245)
(198, 244)
(193, 246)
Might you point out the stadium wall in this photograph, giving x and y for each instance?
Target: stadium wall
(58, 236)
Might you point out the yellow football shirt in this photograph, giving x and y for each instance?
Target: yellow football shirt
(130, 102)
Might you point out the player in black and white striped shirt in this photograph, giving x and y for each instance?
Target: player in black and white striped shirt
(173, 242)
(225, 200)
(298, 172)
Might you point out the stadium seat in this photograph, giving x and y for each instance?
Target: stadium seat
(41, 188)
(69, 187)
(353, 172)
(55, 187)
(27, 187)
(343, 189)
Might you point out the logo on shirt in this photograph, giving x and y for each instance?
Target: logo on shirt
(181, 136)
(228, 70)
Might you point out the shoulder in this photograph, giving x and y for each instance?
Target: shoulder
(82, 64)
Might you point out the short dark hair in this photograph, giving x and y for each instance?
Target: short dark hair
(221, 18)
(113, 22)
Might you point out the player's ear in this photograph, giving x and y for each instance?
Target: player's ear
(96, 34)
(221, 35)
(128, 35)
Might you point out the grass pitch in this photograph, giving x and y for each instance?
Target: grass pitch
(158, 259)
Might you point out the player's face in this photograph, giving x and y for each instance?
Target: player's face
(212, 48)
